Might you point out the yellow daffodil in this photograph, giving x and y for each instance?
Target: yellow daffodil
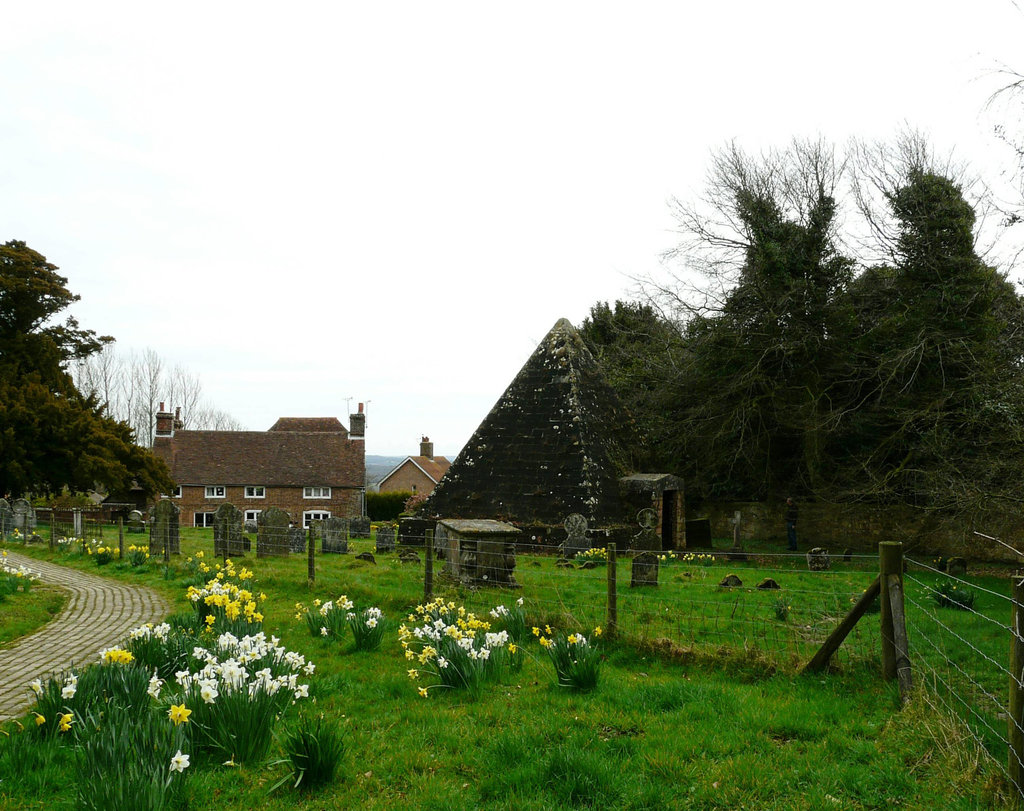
(65, 721)
(179, 714)
(413, 673)
(423, 692)
(40, 720)
(598, 631)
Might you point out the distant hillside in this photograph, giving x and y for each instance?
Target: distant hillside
(377, 467)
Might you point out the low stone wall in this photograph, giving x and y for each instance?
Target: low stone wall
(861, 528)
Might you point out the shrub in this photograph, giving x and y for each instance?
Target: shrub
(386, 506)
(314, 749)
(952, 595)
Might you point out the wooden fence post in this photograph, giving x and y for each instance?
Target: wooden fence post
(613, 595)
(890, 556)
(1015, 722)
(428, 566)
(120, 538)
(310, 557)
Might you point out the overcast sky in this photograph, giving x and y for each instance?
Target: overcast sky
(314, 204)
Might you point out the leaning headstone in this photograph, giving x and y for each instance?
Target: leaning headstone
(367, 557)
(24, 516)
(768, 583)
(6, 518)
(957, 567)
(297, 540)
(359, 527)
(334, 536)
(135, 524)
(576, 540)
(163, 530)
(645, 570)
(272, 533)
(385, 538)
(408, 556)
(227, 532)
(818, 559)
(731, 581)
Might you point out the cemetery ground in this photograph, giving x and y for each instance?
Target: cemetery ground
(700, 702)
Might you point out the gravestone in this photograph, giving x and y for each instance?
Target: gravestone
(135, 523)
(163, 529)
(297, 540)
(227, 532)
(24, 516)
(645, 570)
(369, 558)
(359, 527)
(736, 552)
(385, 538)
(576, 540)
(818, 560)
(272, 533)
(334, 536)
(250, 527)
(957, 567)
(731, 581)
(768, 583)
(6, 518)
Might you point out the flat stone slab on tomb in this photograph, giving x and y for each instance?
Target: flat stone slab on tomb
(478, 551)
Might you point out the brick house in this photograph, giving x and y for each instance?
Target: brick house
(416, 474)
(311, 467)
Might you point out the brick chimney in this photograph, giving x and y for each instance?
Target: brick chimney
(357, 424)
(426, 447)
(164, 422)
(179, 424)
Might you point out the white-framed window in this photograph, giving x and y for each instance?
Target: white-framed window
(204, 519)
(176, 492)
(316, 492)
(215, 491)
(252, 515)
(314, 515)
(255, 491)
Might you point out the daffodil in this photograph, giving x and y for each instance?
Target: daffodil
(179, 714)
(179, 762)
(65, 721)
(40, 719)
(423, 692)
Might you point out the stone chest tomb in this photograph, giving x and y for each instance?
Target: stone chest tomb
(478, 552)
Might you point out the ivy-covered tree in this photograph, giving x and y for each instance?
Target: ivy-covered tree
(51, 436)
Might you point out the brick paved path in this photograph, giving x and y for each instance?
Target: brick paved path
(99, 613)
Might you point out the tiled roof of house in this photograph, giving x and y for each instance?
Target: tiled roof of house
(319, 425)
(434, 467)
(269, 458)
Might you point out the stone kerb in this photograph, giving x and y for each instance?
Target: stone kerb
(272, 538)
(164, 529)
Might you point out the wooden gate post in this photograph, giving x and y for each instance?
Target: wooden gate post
(613, 596)
(890, 557)
(1015, 722)
(120, 538)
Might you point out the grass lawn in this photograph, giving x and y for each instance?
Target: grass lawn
(21, 614)
(699, 704)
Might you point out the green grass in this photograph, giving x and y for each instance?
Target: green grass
(699, 704)
(21, 614)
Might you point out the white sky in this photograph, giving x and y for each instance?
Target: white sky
(395, 201)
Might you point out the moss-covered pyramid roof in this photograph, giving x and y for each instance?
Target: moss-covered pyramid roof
(555, 443)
